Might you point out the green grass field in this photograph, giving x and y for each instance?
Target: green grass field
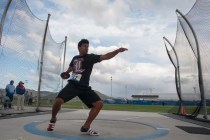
(122, 107)
(128, 107)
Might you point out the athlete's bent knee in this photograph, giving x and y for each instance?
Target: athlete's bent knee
(98, 104)
(59, 101)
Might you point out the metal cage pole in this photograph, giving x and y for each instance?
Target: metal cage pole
(3, 18)
(111, 87)
(201, 85)
(178, 71)
(41, 64)
(64, 57)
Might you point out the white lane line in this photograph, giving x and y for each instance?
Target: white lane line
(164, 128)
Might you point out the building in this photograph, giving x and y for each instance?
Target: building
(145, 97)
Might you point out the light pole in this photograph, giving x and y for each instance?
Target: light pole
(111, 87)
(195, 91)
(26, 81)
(151, 90)
(126, 92)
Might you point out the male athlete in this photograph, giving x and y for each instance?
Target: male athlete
(78, 85)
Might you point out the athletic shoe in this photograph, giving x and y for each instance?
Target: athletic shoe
(51, 126)
(88, 131)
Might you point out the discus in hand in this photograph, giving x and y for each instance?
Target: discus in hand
(65, 75)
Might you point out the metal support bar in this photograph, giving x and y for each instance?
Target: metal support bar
(41, 65)
(177, 67)
(64, 57)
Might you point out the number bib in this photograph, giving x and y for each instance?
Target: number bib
(76, 77)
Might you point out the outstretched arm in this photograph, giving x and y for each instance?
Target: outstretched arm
(112, 54)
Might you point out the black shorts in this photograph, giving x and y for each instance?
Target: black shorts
(86, 94)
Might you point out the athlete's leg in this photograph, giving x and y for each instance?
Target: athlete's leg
(93, 113)
(66, 94)
(56, 107)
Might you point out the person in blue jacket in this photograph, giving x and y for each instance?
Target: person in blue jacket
(10, 91)
(20, 91)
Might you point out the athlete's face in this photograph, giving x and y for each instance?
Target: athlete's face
(83, 49)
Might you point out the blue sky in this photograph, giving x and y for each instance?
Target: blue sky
(138, 25)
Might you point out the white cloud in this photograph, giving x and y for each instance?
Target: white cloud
(102, 13)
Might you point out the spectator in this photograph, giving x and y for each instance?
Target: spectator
(10, 91)
(20, 91)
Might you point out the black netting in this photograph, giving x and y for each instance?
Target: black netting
(187, 67)
(3, 9)
(199, 17)
(52, 66)
(21, 43)
(20, 52)
(3, 4)
(187, 52)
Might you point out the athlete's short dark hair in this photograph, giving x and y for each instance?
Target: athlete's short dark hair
(83, 41)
